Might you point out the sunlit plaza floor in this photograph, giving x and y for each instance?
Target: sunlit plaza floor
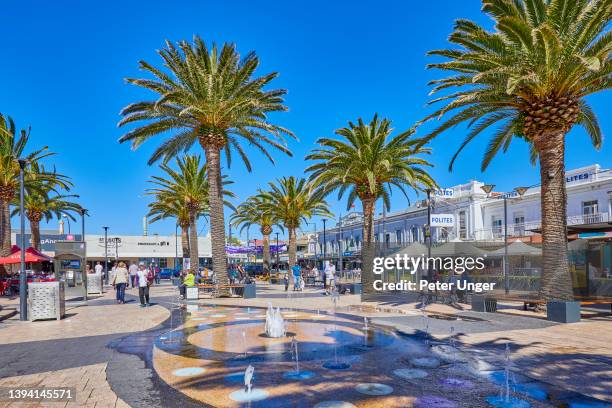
(194, 353)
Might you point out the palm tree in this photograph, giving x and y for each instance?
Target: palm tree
(189, 187)
(529, 77)
(366, 163)
(253, 212)
(211, 97)
(172, 207)
(292, 201)
(12, 146)
(43, 199)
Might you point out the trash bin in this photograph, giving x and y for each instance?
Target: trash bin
(482, 303)
(249, 291)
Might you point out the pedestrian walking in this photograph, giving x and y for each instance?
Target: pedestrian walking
(144, 278)
(133, 271)
(157, 275)
(297, 274)
(120, 281)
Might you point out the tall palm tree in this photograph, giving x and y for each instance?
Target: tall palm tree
(208, 96)
(12, 147)
(292, 201)
(189, 186)
(44, 200)
(366, 163)
(173, 207)
(254, 212)
(529, 77)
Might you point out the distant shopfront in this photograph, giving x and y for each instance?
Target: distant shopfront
(159, 249)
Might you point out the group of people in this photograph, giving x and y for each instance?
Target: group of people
(328, 276)
(138, 276)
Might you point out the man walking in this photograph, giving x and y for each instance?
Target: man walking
(98, 268)
(144, 278)
(133, 271)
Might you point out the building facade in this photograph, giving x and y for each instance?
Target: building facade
(479, 217)
(163, 250)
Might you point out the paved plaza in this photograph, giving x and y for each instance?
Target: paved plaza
(107, 350)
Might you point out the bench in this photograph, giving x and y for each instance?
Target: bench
(213, 290)
(532, 302)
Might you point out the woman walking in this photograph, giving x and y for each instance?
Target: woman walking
(120, 280)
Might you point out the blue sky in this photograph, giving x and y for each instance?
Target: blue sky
(64, 64)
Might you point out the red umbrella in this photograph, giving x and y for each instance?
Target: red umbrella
(31, 255)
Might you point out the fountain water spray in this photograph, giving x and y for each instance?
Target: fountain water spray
(248, 378)
(425, 322)
(244, 346)
(294, 352)
(451, 343)
(507, 364)
(275, 324)
(504, 399)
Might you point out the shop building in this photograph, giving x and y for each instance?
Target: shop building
(163, 250)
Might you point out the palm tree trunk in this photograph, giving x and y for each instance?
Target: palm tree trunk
(185, 240)
(266, 253)
(367, 248)
(35, 228)
(292, 252)
(5, 228)
(217, 219)
(556, 279)
(5, 225)
(194, 259)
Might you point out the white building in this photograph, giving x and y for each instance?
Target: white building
(159, 249)
(477, 216)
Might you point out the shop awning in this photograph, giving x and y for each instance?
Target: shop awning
(518, 248)
(31, 255)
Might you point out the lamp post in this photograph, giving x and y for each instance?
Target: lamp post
(83, 212)
(487, 188)
(67, 219)
(105, 255)
(23, 280)
(248, 254)
(340, 246)
(277, 253)
(428, 234)
(324, 243)
(176, 247)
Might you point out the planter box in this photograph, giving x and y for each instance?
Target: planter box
(483, 303)
(250, 291)
(94, 283)
(192, 293)
(562, 311)
(354, 288)
(46, 300)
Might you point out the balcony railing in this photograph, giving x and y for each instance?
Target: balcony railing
(527, 228)
(489, 234)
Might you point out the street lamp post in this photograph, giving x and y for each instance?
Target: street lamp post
(176, 247)
(105, 255)
(428, 234)
(277, 254)
(23, 282)
(67, 219)
(83, 212)
(487, 188)
(340, 246)
(324, 243)
(248, 254)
